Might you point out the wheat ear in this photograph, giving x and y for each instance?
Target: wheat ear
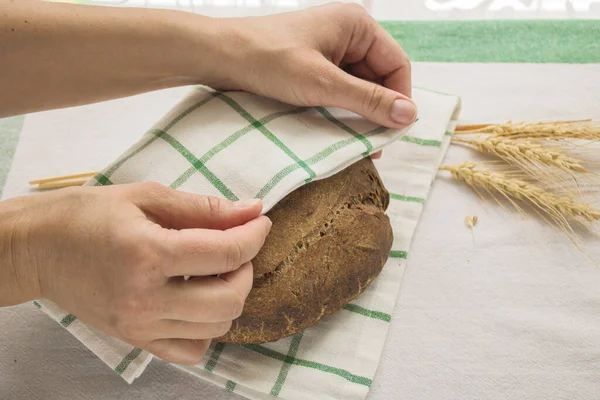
(523, 152)
(558, 208)
(585, 130)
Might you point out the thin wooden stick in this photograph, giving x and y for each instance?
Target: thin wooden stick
(467, 128)
(62, 178)
(62, 184)
(470, 127)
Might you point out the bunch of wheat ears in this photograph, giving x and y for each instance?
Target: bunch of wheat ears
(544, 166)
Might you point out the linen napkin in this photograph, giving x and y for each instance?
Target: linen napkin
(237, 145)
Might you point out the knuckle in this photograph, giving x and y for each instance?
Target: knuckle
(213, 205)
(140, 256)
(233, 255)
(372, 98)
(406, 64)
(153, 188)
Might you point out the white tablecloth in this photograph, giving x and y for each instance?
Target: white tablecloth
(513, 313)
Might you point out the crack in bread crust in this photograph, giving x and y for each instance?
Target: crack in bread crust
(325, 229)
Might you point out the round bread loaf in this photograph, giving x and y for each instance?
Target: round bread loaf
(329, 240)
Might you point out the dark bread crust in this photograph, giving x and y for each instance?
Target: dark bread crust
(329, 240)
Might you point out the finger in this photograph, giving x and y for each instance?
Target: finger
(377, 155)
(179, 351)
(387, 59)
(374, 102)
(175, 329)
(202, 252)
(180, 210)
(208, 299)
(373, 50)
(362, 70)
(240, 279)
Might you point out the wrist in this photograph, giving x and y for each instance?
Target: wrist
(18, 276)
(191, 51)
(212, 50)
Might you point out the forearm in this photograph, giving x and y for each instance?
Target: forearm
(58, 55)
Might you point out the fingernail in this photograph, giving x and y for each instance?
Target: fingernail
(247, 203)
(270, 223)
(403, 111)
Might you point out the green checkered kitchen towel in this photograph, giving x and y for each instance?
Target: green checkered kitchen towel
(237, 145)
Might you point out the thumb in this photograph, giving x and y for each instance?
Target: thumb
(181, 210)
(372, 101)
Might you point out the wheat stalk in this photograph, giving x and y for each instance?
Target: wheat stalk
(523, 153)
(585, 130)
(559, 208)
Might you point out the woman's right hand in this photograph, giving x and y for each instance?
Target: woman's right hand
(115, 257)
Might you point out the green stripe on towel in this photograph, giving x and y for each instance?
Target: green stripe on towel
(368, 313)
(230, 386)
(398, 254)
(409, 199)
(128, 359)
(422, 142)
(68, 320)
(361, 380)
(287, 364)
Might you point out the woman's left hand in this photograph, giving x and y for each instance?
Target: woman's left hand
(335, 55)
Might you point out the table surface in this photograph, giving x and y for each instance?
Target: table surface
(511, 312)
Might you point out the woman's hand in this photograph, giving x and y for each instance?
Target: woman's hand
(115, 257)
(336, 55)
(333, 55)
